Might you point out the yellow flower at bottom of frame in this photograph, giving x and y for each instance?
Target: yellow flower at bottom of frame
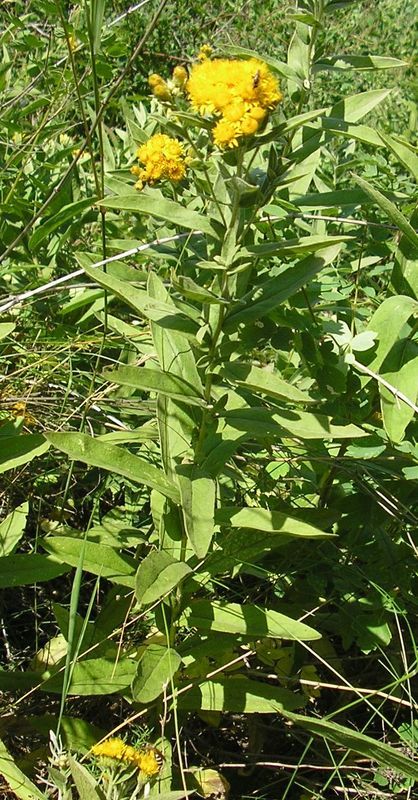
(226, 133)
(163, 159)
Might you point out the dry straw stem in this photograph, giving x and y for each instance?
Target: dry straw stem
(399, 395)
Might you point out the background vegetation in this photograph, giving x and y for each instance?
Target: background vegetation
(77, 527)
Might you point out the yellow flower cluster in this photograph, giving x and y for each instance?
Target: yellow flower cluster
(163, 158)
(239, 92)
(144, 760)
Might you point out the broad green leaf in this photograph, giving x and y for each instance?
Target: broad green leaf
(77, 735)
(65, 214)
(294, 246)
(20, 449)
(6, 328)
(18, 782)
(405, 270)
(397, 414)
(390, 210)
(262, 519)
(359, 63)
(14, 681)
(263, 381)
(194, 291)
(86, 785)
(387, 322)
(338, 198)
(369, 747)
(260, 422)
(154, 380)
(197, 493)
(98, 558)
(161, 208)
(156, 670)
(81, 447)
(26, 569)
(12, 529)
(267, 296)
(248, 620)
(238, 694)
(157, 575)
(356, 106)
(167, 316)
(406, 155)
(95, 676)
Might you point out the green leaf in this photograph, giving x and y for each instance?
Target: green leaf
(263, 381)
(161, 208)
(18, 782)
(387, 322)
(258, 422)
(267, 296)
(383, 754)
(397, 414)
(81, 447)
(95, 676)
(281, 67)
(6, 328)
(355, 107)
(156, 670)
(294, 246)
(390, 210)
(197, 492)
(337, 199)
(154, 380)
(238, 694)
(157, 575)
(248, 620)
(65, 214)
(20, 449)
(405, 154)
(99, 559)
(405, 270)
(76, 734)
(26, 569)
(12, 529)
(359, 63)
(262, 519)
(86, 785)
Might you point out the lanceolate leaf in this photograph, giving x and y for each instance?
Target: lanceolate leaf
(12, 529)
(98, 558)
(248, 620)
(391, 211)
(81, 447)
(25, 569)
(18, 782)
(155, 380)
(262, 519)
(361, 63)
(20, 449)
(263, 381)
(383, 754)
(157, 575)
(156, 670)
(387, 322)
(161, 208)
(197, 492)
(239, 694)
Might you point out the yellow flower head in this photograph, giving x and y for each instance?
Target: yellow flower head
(111, 748)
(204, 52)
(239, 92)
(163, 159)
(146, 761)
(180, 76)
(226, 133)
(154, 79)
(161, 91)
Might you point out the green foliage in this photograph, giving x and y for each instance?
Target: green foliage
(209, 403)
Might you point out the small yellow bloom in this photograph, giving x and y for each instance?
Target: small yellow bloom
(146, 762)
(180, 76)
(249, 125)
(161, 91)
(163, 159)
(204, 52)
(154, 79)
(225, 133)
(72, 42)
(111, 748)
